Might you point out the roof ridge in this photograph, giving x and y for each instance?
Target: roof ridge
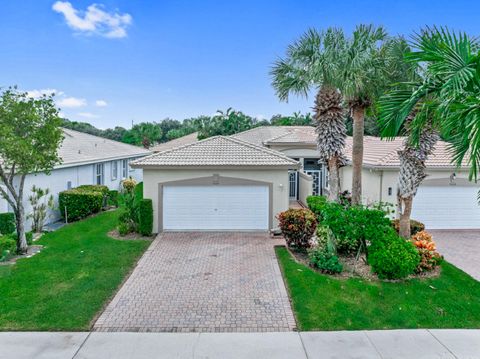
(261, 148)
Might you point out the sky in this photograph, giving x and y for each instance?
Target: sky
(118, 62)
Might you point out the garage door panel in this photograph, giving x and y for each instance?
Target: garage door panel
(215, 207)
(445, 207)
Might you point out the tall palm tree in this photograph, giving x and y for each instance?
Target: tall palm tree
(311, 62)
(370, 63)
(431, 103)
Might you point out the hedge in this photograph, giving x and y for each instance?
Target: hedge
(79, 203)
(145, 225)
(138, 192)
(7, 223)
(94, 188)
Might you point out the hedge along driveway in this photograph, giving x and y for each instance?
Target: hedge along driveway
(68, 283)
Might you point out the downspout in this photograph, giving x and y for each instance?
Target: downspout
(381, 186)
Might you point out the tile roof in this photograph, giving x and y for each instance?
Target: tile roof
(263, 134)
(217, 151)
(185, 140)
(78, 147)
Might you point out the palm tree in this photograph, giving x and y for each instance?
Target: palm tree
(311, 63)
(370, 63)
(431, 103)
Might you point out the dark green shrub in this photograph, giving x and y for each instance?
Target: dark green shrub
(393, 257)
(124, 228)
(113, 198)
(325, 261)
(298, 226)
(138, 192)
(316, 203)
(7, 223)
(145, 216)
(7, 243)
(94, 188)
(29, 237)
(79, 203)
(415, 226)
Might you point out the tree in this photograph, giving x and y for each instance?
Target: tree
(30, 135)
(311, 63)
(370, 62)
(168, 125)
(296, 120)
(144, 133)
(429, 104)
(223, 123)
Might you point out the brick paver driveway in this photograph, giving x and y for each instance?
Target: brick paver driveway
(204, 282)
(461, 248)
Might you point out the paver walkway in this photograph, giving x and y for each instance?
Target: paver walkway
(203, 282)
(461, 248)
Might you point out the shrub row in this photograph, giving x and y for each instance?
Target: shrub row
(7, 223)
(79, 203)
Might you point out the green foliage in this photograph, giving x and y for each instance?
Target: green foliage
(7, 223)
(316, 203)
(113, 198)
(104, 190)
(79, 203)
(29, 237)
(144, 134)
(296, 120)
(132, 194)
(415, 226)
(124, 228)
(298, 226)
(393, 257)
(139, 192)
(41, 201)
(7, 244)
(145, 217)
(224, 123)
(325, 261)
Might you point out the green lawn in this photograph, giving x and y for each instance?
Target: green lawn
(69, 282)
(321, 302)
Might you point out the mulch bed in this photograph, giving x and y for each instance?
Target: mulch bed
(130, 237)
(353, 268)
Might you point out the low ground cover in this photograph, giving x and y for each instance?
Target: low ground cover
(323, 302)
(69, 282)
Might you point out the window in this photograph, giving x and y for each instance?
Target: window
(114, 170)
(124, 168)
(129, 167)
(99, 173)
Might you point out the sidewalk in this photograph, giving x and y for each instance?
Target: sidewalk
(409, 344)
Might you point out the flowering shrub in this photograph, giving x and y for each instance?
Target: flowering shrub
(429, 257)
(298, 226)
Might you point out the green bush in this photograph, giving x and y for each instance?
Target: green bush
(316, 203)
(354, 226)
(94, 188)
(415, 226)
(113, 198)
(298, 226)
(145, 217)
(325, 261)
(138, 192)
(29, 237)
(124, 228)
(7, 223)
(7, 243)
(79, 203)
(393, 257)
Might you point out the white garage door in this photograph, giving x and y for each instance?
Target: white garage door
(444, 207)
(215, 208)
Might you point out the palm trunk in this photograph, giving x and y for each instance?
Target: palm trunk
(358, 115)
(333, 179)
(406, 211)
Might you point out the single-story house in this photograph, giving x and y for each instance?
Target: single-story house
(216, 184)
(86, 159)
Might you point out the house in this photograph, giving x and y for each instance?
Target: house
(86, 159)
(216, 183)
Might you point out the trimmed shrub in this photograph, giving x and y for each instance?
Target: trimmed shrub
(113, 198)
(145, 217)
(316, 203)
(94, 188)
(79, 203)
(415, 226)
(138, 192)
(7, 223)
(392, 257)
(7, 243)
(298, 226)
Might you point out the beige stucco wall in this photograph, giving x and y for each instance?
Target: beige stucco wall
(305, 187)
(277, 177)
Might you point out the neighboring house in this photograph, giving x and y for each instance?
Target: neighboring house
(446, 199)
(86, 159)
(184, 140)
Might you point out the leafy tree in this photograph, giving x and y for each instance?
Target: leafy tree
(223, 123)
(311, 62)
(82, 127)
(296, 120)
(30, 135)
(167, 125)
(444, 99)
(115, 134)
(144, 133)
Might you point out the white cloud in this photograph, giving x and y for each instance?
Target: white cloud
(41, 92)
(95, 20)
(101, 103)
(87, 115)
(72, 102)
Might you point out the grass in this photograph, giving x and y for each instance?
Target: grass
(70, 280)
(321, 302)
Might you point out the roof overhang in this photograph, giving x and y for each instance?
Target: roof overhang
(211, 167)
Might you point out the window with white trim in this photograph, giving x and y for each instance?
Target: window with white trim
(114, 167)
(99, 173)
(124, 169)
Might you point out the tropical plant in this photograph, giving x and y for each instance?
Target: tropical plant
(429, 257)
(30, 135)
(41, 201)
(438, 101)
(144, 133)
(311, 62)
(297, 226)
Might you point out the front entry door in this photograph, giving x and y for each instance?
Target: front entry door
(317, 185)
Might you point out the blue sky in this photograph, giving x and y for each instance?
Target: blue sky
(124, 61)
